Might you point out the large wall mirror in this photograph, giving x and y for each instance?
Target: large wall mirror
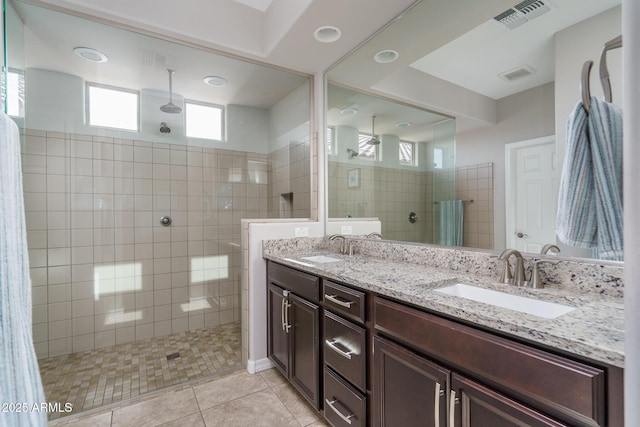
(504, 78)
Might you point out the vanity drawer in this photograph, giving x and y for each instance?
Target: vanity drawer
(346, 301)
(345, 349)
(343, 405)
(302, 284)
(562, 387)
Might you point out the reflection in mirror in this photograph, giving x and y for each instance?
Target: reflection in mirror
(104, 160)
(509, 83)
(404, 178)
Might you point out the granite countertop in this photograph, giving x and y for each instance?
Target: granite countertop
(595, 329)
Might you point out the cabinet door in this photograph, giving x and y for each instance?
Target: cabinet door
(304, 319)
(408, 390)
(474, 405)
(278, 339)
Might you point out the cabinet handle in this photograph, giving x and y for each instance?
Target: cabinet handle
(287, 326)
(282, 313)
(334, 299)
(436, 409)
(335, 348)
(452, 408)
(346, 418)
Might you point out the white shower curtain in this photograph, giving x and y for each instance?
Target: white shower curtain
(20, 383)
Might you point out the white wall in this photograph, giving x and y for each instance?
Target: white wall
(525, 115)
(56, 102)
(289, 119)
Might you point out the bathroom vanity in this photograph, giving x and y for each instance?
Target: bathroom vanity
(377, 345)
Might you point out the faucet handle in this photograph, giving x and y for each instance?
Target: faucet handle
(536, 280)
(506, 276)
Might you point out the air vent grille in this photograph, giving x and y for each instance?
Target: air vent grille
(522, 13)
(517, 73)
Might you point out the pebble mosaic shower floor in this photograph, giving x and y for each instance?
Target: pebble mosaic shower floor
(100, 377)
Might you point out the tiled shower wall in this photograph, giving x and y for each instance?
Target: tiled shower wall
(290, 186)
(475, 182)
(104, 270)
(387, 193)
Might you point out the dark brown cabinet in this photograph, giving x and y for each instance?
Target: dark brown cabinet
(294, 329)
(513, 384)
(365, 359)
(345, 356)
(477, 406)
(408, 390)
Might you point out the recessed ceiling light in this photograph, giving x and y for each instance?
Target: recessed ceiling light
(327, 34)
(349, 111)
(215, 81)
(90, 54)
(386, 56)
(403, 124)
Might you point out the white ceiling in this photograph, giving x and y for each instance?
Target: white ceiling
(475, 59)
(278, 32)
(261, 5)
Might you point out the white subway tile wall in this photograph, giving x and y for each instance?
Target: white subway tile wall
(105, 271)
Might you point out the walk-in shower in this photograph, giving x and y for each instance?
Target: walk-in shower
(124, 303)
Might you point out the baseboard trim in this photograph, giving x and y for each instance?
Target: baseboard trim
(255, 366)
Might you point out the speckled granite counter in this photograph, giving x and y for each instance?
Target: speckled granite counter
(594, 330)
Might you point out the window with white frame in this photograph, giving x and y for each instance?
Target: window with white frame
(13, 90)
(204, 120)
(331, 140)
(113, 107)
(367, 151)
(438, 158)
(407, 153)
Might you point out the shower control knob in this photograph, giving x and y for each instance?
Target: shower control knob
(520, 234)
(165, 221)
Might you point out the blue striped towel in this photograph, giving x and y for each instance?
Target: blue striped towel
(590, 196)
(605, 135)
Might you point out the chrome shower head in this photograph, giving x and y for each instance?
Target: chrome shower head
(170, 107)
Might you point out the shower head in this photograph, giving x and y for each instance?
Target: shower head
(170, 107)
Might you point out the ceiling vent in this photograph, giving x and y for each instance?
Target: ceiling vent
(522, 13)
(517, 73)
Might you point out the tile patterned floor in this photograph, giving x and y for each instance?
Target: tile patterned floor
(236, 400)
(101, 377)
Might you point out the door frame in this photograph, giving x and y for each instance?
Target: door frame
(509, 185)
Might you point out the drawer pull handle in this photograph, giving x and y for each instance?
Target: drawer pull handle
(332, 403)
(335, 348)
(334, 299)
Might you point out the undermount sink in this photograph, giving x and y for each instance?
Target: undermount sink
(548, 310)
(321, 259)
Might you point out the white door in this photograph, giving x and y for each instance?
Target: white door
(532, 194)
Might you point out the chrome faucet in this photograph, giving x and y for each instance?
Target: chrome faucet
(550, 247)
(536, 280)
(519, 276)
(343, 242)
(374, 234)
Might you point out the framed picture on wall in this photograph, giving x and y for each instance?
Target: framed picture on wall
(353, 178)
